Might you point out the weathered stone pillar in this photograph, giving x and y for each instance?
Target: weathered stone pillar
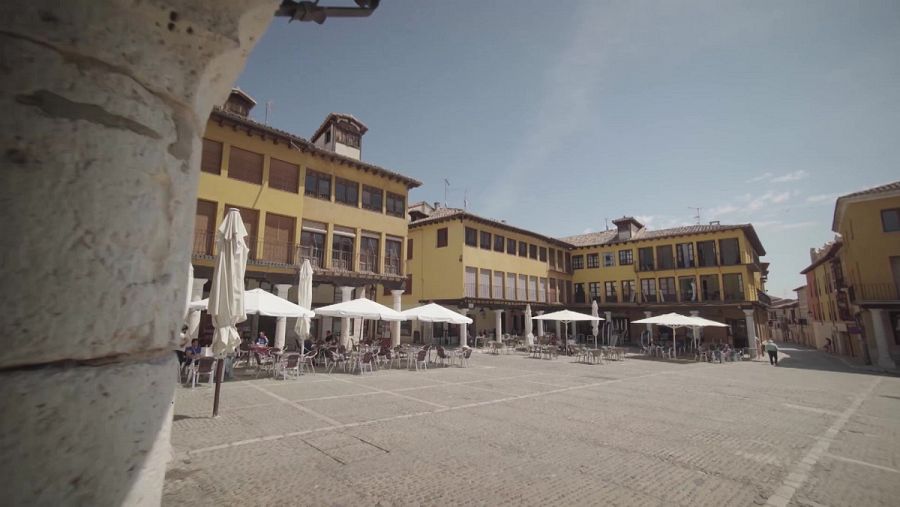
(194, 317)
(498, 325)
(104, 103)
(695, 330)
(463, 330)
(346, 295)
(395, 326)
(649, 327)
(540, 324)
(881, 331)
(281, 290)
(751, 333)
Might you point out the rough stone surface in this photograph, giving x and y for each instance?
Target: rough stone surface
(86, 435)
(512, 430)
(104, 104)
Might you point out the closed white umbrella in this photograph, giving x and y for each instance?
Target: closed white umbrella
(567, 316)
(304, 299)
(226, 296)
(529, 326)
(595, 325)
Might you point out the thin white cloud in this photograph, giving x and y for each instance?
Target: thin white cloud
(762, 177)
(587, 231)
(821, 197)
(778, 225)
(725, 209)
(792, 176)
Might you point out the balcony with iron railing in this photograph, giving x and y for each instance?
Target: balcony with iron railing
(521, 294)
(393, 266)
(497, 292)
(470, 290)
(316, 256)
(368, 263)
(553, 295)
(484, 290)
(341, 260)
(873, 292)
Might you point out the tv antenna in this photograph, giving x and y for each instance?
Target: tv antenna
(446, 188)
(697, 216)
(466, 198)
(268, 110)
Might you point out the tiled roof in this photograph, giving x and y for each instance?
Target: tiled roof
(869, 192)
(443, 214)
(344, 116)
(825, 254)
(304, 145)
(610, 237)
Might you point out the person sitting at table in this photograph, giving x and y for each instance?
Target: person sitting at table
(262, 340)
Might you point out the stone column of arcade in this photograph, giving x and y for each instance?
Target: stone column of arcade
(281, 290)
(397, 300)
(104, 104)
(194, 317)
(498, 325)
(346, 295)
(463, 330)
(751, 333)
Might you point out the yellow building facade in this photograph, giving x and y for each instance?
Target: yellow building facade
(869, 225)
(302, 200)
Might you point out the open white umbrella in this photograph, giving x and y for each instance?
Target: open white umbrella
(433, 312)
(362, 308)
(304, 299)
(567, 316)
(595, 325)
(226, 296)
(260, 302)
(676, 320)
(529, 326)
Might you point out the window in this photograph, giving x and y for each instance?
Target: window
(368, 254)
(396, 205)
(523, 249)
(610, 291)
(471, 283)
(890, 220)
(471, 237)
(594, 289)
(284, 176)
(245, 166)
(442, 237)
(553, 258)
(409, 249)
(709, 288)
(499, 243)
(667, 292)
(593, 260)
(577, 262)
(312, 247)
(392, 248)
(510, 286)
(511, 246)
(532, 288)
(628, 295)
(706, 253)
(568, 262)
(342, 252)
(729, 251)
(497, 285)
(579, 293)
(348, 138)
(559, 259)
(485, 242)
(685, 255)
(687, 285)
(532, 251)
(609, 260)
(626, 258)
(664, 258)
(645, 259)
(542, 254)
(484, 283)
(733, 284)
(211, 157)
(648, 290)
(205, 227)
(278, 245)
(372, 198)
(542, 290)
(346, 191)
(317, 185)
(522, 288)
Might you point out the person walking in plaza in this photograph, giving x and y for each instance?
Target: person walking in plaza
(772, 350)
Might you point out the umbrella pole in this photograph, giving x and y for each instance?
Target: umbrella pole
(219, 366)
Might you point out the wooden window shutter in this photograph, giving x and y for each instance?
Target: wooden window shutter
(245, 166)
(211, 157)
(284, 176)
(204, 227)
(279, 238)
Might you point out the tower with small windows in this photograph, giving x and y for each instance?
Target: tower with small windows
(341, 134)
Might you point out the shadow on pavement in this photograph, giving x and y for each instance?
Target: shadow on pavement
(793, 356)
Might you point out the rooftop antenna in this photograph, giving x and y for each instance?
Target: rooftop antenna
(466, 198)
(446, 188)
(268, 110)
(697, 216)
(606, 223)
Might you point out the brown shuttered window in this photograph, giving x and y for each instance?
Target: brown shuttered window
(211, 158)
(204, 228)
(284, 176)
(245, 166)
(279, 239)
(251, 223)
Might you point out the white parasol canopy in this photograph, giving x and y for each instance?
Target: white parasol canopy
(226, 296)
(360, 308)
(676, 320)
(433, 312)
(260, 302)
(708, 323)
(595, 325)
(529, 326)
(304, 299)
(566, 316)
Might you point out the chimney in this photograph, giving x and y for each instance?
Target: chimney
(239, 103)
(715, 222)
(437, 204)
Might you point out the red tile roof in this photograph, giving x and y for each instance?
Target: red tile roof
(610, 237)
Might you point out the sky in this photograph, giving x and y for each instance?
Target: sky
(557, 116)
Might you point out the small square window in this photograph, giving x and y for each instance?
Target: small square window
(890, 220)
(442, 237)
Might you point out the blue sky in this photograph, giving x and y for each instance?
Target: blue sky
(557, 115)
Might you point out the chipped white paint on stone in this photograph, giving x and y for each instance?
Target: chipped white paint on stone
(105, 102)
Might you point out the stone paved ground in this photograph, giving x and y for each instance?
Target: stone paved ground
(512, 430)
